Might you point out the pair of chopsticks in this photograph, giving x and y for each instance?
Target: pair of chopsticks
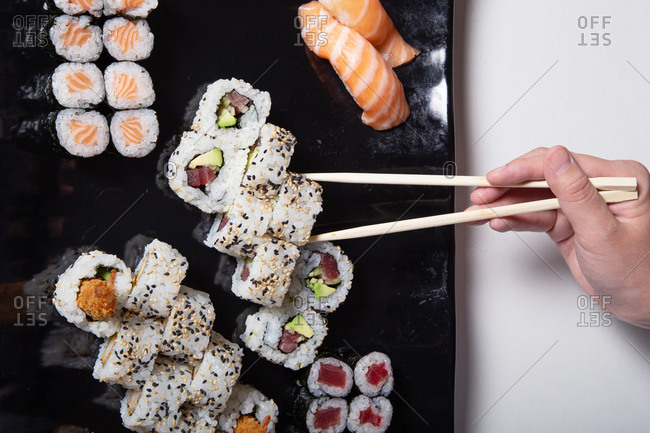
(611, 189)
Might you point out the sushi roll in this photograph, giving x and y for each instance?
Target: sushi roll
(285, 336)
(128, 357)
(187, 328)
(373, 374)
(327, 415)
(78, 85)
(215, 376)
(128, 86)
(241, 230)
(157, 280)
(92, 292)
(369, 415)
(330, 376)
(75, 38)
(323, 276)
(161, 395)
(296, 209)
(76, 7)
(81, 133)
(205, 173)
(132, 8)
(264, 279)
(248, 410)
(268, 161)
(134, 132)
(128, 39)
(233, 112)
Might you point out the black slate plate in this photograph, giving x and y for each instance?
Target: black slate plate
(402, 298)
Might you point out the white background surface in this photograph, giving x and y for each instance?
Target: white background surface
(521, 80)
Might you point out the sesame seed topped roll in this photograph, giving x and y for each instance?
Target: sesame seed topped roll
(188, 326)
(157, 280)
(127, 358)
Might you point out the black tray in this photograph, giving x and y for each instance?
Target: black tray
(402, 297)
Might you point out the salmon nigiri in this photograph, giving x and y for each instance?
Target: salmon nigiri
(371, 81)
(369, 18)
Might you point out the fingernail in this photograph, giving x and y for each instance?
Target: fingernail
(560, 161)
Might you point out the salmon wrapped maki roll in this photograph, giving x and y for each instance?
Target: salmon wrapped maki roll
(369, 18)
(127, 39)
(371, 81)
(75, 38)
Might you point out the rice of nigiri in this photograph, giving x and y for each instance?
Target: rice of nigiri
(82, 133)
(75, 38)
(128, 39)
(78, 85)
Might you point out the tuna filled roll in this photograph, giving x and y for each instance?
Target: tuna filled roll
(264, 278)
(187, 328)
(128, 39)
(324, 276)
(75, 38)
(128, 357)
(268, 161)
(157, 280)
(373, 374)
(134, 132)
(248, 410)
(369, 415)
(327, 415)
(160, 396)
(76, 7)
(285, 336)
(205, 173)
(132, 8)
(128, 86)
(330, 376)
(296, 209)
(82, 133)
(92, 292)
(232, 111)
(215, 376)
(241, 230)
(78, 85)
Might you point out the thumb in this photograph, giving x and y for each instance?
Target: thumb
(580, 202)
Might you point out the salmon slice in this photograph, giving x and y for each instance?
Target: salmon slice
(76, 35)
(126, 36)
(126, 87)
(132, 131)
(369, 18)
(78, 82)
(370, 80)
(84, 133)
(84, 5)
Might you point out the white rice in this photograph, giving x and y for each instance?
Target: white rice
(157, 280)
(112, 7)
(248, 129)
(380, 405)
(141, 37)
(246, 400)
(320, 389)
(128, 86)
(361, 369)
(73, 8)
(73, 142)
(88, 51)
(134, 132)
(264, 331)
(188, 326)
(326, 403)
(71, 97)
(67, 289)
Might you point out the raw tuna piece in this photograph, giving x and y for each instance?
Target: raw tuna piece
(200, 176)
(369, 416)
(332, 375)
(289, 341)
(376, 374)
(327, 418)
(330, 270)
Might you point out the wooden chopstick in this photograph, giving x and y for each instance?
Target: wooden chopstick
(460, 217)
(602, 183)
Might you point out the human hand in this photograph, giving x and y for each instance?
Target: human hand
(607, 247)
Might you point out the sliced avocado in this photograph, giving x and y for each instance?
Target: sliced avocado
(226, 120)
(320, 289)
(299, 324)
(251, 156)
(213, 158)
(104, 272)
(316, 272)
